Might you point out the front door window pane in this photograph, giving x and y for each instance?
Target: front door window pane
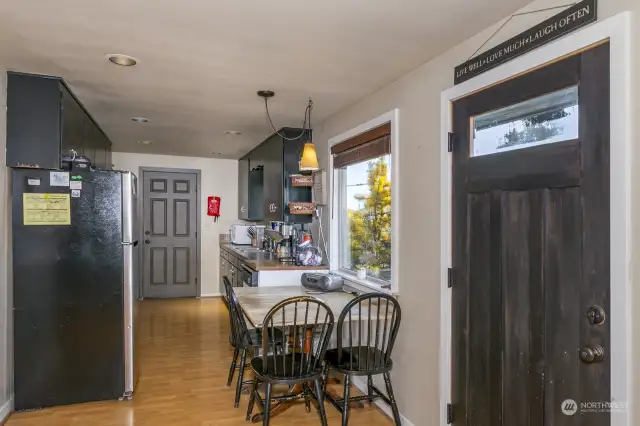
(546, 119)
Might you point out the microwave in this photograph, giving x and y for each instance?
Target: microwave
(238, 234)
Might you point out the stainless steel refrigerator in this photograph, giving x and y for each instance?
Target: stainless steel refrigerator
(75, 286)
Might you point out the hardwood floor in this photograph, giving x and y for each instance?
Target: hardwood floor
(184, 361)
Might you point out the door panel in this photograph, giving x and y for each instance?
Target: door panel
(170, 241)
(530, 250)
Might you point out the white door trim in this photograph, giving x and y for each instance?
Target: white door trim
(617, 29)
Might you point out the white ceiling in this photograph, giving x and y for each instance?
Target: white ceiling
(201, 61)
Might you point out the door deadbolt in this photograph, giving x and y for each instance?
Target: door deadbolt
(590, 355)
(596, 315)
(146, 232)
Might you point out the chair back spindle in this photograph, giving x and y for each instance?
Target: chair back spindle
(239, 330)
(372, 324)
(307, 324)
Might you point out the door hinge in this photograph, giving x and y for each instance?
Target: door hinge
(449, 414)
(450, 277)
(452, 139)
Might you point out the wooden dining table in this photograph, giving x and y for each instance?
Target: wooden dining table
(256, 302)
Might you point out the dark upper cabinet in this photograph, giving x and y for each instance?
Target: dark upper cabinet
(269, 188)
(46, 121)
(273, 179)
(243, 189)
(256, 193)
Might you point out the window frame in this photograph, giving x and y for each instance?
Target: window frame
(391, 117)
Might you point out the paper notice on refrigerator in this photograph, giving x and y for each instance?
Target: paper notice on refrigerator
(46, 209)
(59, 178)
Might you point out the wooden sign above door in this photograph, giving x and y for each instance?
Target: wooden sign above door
(563, 23)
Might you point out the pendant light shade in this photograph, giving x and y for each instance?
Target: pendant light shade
(309, 159)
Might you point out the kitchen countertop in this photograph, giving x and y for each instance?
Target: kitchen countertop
(263, 261)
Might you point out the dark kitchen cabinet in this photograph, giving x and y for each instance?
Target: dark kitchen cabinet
(46, 121)
(256, 193)
(243, 189)
(273, 178)
(269, 189)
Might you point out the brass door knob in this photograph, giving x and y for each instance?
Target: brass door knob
(590, 355)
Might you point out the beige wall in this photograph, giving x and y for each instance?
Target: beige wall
(6, 295)
(417, 95)
(219, 178)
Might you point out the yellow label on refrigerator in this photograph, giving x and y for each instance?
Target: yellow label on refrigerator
(46, 209)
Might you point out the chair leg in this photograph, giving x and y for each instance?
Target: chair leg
(320, 398)
(307, 396)
(392, 399)
(233, 366)
(345, 409)
(243, 360)
(267, 405)
(370, 388)
(325, 376)
(252, 397)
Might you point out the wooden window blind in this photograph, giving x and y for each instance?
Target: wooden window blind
(365, 146)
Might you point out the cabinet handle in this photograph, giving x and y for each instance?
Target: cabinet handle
(242, 209)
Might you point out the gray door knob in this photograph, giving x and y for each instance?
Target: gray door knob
(590, 355)
(147, 241)
(596, 315)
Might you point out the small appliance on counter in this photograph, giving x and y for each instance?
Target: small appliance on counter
(322, 282)
(239, 234)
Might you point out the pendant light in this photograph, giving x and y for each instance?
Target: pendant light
(309, 158)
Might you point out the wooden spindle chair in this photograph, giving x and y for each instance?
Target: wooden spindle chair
(366, 332)
(245, 340)
(307, 323)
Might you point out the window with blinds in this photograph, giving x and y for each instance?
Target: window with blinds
(362, 167)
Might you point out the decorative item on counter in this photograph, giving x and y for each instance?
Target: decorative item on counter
(301, 207)
(362, 272)
(302, 180)
(274, 225)
(308, 255)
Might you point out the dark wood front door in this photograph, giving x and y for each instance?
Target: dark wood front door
(531, 248)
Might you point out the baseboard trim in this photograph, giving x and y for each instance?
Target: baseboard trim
(361, 383)
(6, 409)
(210, 295)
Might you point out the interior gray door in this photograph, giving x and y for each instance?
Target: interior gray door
(170, 234)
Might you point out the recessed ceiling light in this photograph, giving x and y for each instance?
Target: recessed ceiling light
(145, 142)
(232, 132)
(140, 119)
(122, 60)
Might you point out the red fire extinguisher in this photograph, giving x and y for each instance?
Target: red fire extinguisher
(213, 207)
